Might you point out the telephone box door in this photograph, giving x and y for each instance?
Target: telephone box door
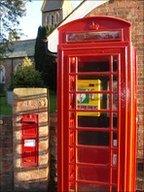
(94, 122)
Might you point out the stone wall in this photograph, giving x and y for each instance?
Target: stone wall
(31, 101)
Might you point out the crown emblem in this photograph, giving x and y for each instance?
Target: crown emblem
(94, 25)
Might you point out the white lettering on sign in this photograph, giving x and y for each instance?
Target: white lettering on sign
(29, 143)
(93, 36)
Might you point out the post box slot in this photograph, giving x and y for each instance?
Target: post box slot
(29, 129)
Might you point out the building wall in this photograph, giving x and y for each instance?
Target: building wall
(10, 65)
(67, 8)
(52, 18)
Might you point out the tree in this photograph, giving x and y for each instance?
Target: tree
(10, 13)
(26, 76)
(45, 61)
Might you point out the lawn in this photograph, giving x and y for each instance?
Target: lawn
(5, 109)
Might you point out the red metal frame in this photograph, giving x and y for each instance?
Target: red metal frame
(81, 164)
(29, 124)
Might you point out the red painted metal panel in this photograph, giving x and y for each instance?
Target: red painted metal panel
(29, 124)
(96, 107)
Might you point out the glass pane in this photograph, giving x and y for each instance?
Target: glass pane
(88, 101)
(91, 64)
(86, 120)
(115, 63)
(93, 82)
(93, 138)
(92, 101)
(92, 173)
(91, 155)
(86, 187)
(115, 120)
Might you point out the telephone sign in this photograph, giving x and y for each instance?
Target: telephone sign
(96, 106)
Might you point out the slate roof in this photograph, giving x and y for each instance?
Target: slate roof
(21, 49)
(51, 5)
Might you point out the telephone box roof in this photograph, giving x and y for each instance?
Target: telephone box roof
(79, 12)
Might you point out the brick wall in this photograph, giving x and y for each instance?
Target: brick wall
(31, 101)
(132, 11)
(6, 155)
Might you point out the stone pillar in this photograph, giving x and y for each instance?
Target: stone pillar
(31, 101)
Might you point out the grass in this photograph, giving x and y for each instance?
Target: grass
(5, 109)
(52, 107)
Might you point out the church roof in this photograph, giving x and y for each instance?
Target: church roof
(21, 49)
(51, 5)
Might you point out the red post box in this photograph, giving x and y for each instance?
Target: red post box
(96, 106)
(29, 124)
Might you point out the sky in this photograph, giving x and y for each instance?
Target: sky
(33, 19)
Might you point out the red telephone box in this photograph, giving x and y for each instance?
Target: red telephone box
(29, 124)
(96, 106)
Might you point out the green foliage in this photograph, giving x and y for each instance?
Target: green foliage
(44, 59)
(5, 109)
(10, 13)
(2, 92)
(26, 76)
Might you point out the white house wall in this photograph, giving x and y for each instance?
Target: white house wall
(80, 12)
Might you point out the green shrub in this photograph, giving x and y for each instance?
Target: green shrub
(26, 76)
(2, 91)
